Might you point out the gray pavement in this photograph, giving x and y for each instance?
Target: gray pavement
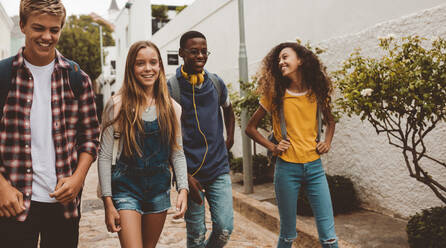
(93, 233)
(256, 223)
(362, 229)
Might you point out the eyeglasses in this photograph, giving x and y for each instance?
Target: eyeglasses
(196, 52)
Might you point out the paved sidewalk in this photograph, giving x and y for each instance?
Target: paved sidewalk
(93, 233)
(362, 229)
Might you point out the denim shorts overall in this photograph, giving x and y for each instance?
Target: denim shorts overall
(143, 183)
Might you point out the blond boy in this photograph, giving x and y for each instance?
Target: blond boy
(48, 136)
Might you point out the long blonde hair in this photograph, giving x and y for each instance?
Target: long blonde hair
(134, 98)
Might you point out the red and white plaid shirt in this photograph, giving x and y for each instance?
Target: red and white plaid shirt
(75, 128)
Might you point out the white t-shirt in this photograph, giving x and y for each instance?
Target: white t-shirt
(42, 145)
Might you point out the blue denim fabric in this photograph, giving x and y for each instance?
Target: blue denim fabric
(219, 196)
(143, 183)
(288, 178)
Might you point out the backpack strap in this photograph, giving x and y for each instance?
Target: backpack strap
(217, 86)
(76, 78)
(5, 81)
(117, 103)
(283, 132)
(174, 88)
(319, 123)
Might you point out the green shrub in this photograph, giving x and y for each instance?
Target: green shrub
(402, 94)
(343, 197)
(235, 164)
(428, 229)
(261, 172)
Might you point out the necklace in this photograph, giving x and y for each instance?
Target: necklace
(149, 106)
(147, 110)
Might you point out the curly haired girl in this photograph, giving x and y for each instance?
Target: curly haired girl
(293, 81)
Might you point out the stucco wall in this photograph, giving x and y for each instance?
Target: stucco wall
(5, 31)
(376, 168)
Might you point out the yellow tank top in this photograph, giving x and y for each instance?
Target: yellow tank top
(301, 124)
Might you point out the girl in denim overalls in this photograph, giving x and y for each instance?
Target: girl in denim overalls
(293, 80)
(145, 122)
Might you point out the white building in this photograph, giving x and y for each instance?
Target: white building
(376, 168)
(5, 29)
(17, 37)
(133, 23)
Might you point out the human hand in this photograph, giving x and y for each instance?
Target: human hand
(11, 201)
(67, 189)
(181, 204)
(229, 143)
(195, 189)
(281, 147)
(112, 217)
(323, 147)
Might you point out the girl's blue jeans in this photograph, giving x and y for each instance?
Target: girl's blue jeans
(288, 179)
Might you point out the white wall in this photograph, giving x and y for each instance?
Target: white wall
(377, 168)
(271, 22)
(5, 31)
(109, 74)
(370, 161)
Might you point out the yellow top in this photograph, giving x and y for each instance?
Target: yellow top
(301, 125)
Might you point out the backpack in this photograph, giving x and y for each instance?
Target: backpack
(174, 88)
(75, 78)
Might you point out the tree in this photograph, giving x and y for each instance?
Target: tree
(159, 12)
(178, 9)
(250, 102)
(79, 41)
(402, 94)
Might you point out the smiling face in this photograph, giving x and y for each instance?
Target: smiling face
(288, 62)
(147, 66)
(195, 55)
(42, 32)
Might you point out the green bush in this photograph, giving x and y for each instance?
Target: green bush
(428, 229)
(343, 197)
(402, 94)
(235, 164)
(261, 172)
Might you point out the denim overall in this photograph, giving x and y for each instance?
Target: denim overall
(143, 183)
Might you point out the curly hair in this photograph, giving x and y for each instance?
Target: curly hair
(314, 77)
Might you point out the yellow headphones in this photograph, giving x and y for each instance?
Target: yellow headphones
(193, 78)
(196, 79)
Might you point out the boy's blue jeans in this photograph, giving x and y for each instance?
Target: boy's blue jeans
(219, 196)
(288, 178)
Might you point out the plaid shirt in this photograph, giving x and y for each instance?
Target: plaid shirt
(75, 128)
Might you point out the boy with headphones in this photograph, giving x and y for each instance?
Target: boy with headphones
(201, 94)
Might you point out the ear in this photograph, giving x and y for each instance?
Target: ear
(181, 52)
(22, 26)
(299, 61)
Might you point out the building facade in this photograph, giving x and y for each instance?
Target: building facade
(6, 25)
(376, 168)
